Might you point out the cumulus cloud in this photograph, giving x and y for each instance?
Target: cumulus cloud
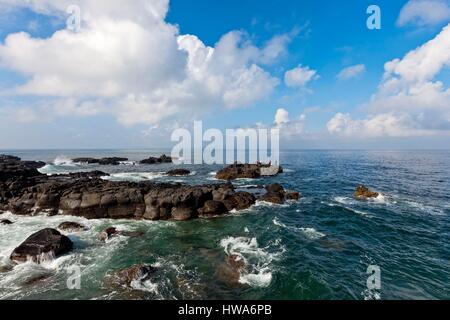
(409, 101)
(351, 72)
(424, 13)
(127, 57)
(289, 128)
(299, 77)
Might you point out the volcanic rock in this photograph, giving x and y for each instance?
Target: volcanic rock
(249, 171)
(153, 160)
(47, 242)
(363, 193)
(178, 172)
(72, 227)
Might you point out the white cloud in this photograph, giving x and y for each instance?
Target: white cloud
(281, 117)
(289, 129)
(127, 57)
(351, 72)
(424, 12)
(300, 76)
(409, 101)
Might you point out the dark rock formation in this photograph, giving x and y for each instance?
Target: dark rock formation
(153, 160)
(6, 222)
(45, 242)
(251, 171)
(212, 208)
(112, 161)
(276, 194)
(25, 191)
(72, 227)
(363, 193)
(178, 172)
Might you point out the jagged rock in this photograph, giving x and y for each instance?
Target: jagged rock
(72, 227)
(154, 160)
(6, 222)
(112, 161)
(183, 214)
(178, 172)
(212, 208)
(48, 242)
(277, 195)
(363, 193)
(249, 171)
(239, 201)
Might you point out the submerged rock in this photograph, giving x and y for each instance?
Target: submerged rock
(229, 272)
(154, 160)
(364, 193)
(6, 222)
(249, 171)
(141, 273)
(72, 227)
(111, 232)
(47, 242)
(178, 172)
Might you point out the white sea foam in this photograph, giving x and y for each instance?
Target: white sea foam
(134, 176)
(309, 233)
(63, 161)
(258, 272)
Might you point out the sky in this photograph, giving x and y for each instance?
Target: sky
(131, 72)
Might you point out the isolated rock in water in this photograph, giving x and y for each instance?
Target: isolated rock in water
(44, 243)
(6, 222)
(153, 160)
(248, 171)
(178, 172)
(276, 194)
(142, 273)
(72, 227)
(363, 193)
(108, 233)
(112, 161)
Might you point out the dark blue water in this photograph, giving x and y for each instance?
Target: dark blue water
(318, 248)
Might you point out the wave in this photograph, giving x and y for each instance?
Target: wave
(309, 233)
(134, 176)
(258, 272)
(64, 161)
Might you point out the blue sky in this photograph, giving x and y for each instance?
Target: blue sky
(134, 72)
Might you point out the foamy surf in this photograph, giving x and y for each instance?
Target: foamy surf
(258, 272)
(134, 176)
(309, 233)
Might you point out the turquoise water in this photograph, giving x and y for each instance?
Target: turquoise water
(318, 248)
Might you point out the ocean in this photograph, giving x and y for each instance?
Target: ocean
(318, 248)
